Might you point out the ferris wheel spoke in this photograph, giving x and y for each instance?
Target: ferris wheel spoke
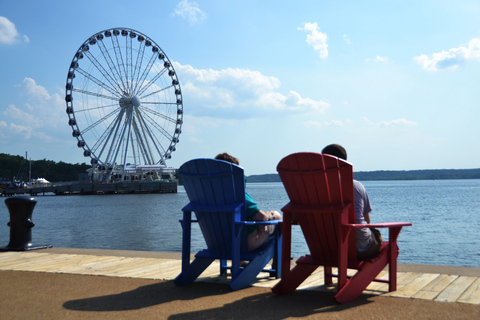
(151, 82)
(98, 108)
(98, 95)
(108, 135)
(155, 92)
(93, 125)
(157, 126)
(115, 141)
(145, 73)
(121, 65)
(161, 115)
(148, 132)
(111, 64)
(125, 137)
(129, 54)
(138, 65)
(98, 82)
(143, 145)
(158, 102)
(105, 74)
(119, 140)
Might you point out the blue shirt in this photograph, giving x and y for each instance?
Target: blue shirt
(251, 208)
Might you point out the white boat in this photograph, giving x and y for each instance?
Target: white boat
(40, 182)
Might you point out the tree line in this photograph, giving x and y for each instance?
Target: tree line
(440, 174)
(17, 168)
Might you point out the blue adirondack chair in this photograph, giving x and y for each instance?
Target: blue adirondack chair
(216, 191)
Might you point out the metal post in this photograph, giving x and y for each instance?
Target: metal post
(20, 209)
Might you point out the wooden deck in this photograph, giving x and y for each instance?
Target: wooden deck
(413, 285)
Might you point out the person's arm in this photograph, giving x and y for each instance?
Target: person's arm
(367, 217)
(265, 216)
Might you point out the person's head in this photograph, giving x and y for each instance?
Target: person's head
(335, 150)
(226, 157)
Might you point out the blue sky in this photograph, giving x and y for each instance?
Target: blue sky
(395, 82)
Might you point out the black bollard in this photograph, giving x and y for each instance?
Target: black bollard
(20, 209)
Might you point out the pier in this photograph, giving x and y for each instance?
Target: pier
(96, 188)
(113, 284)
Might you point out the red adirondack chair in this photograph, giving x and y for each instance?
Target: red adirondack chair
(320, 189)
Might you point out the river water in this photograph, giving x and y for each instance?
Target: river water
(445, 216)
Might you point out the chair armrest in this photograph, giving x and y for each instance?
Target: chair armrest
(269, 222)
(199, 208)
(378, 225)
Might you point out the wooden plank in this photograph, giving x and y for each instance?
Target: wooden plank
(30, 262)
(82, 263)
(378, 287)
(405, 278)
(472, 294)
(433, 289)
(7, 255)
(455, 290)
(19, 260)
(415, 285)
(95, 266)
(69, 263)
(143, 266)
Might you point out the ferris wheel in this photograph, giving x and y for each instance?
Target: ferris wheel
(124, 102)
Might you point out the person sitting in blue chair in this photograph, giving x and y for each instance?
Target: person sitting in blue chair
(257, 235)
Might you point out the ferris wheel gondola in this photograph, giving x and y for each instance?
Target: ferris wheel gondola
(124, 102)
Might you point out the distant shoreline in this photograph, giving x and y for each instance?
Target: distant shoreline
(440, 174)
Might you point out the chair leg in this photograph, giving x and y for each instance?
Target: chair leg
(223, 267)
(277, 257)
(328, 275)
(246, 276)
(195, 269)
(364, 276)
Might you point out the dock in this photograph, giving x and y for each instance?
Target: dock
(96, 188)
(422, 282)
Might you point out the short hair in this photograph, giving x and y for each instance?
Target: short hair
(226, 157)
(335, 150)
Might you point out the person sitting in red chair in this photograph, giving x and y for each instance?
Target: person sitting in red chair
(369, 240)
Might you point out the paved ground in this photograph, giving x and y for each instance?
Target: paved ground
(52, 295)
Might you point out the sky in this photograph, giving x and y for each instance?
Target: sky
(395, 82)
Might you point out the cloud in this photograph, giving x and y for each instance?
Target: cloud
(397, 122)
(34, 91)
(381, 59)
(450, 59)
(189, 11)
(234, 93)
(378, 59)
(347, 40)
(39, 117)
(320, 124)
(317, 39)
(25, 117)
(8, 32)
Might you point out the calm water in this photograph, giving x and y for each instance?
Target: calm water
(445, 216)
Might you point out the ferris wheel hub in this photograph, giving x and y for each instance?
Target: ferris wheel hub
(128, 102)
(135, 101)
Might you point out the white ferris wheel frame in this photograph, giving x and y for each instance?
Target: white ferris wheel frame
(124, 102)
